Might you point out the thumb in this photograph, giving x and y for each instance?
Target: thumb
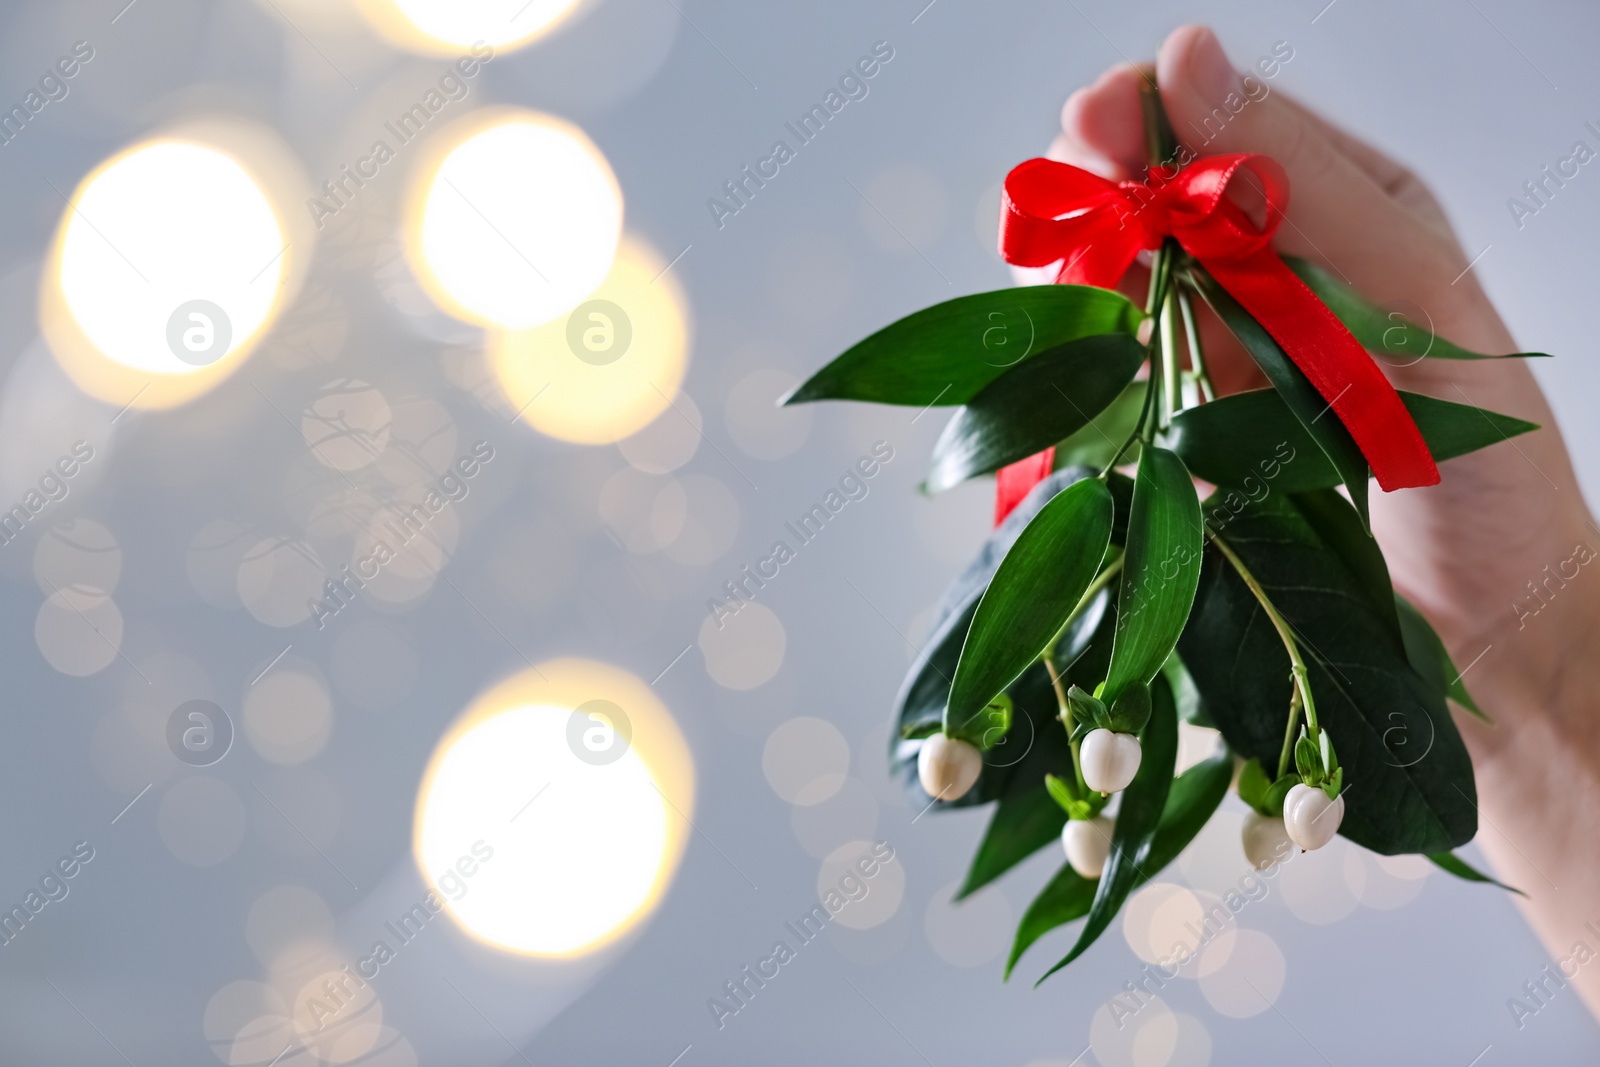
(1338, 213)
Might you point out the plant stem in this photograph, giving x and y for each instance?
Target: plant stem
(1170, 401)
(1160, 146)
(1191, 335)
(1288, 733)
(1066, 720)
(1160, 143)
(1048, 656)
(1302, 680)
(1138, 431)
(1157, 349)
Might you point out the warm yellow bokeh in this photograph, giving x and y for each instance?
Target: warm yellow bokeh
(450, 27)
(535, 849)
(172, 261)
(513, 218)
(608, 368)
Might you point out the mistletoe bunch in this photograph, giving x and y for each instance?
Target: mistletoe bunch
(1114, 601)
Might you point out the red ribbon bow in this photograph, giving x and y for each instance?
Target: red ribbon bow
(1096, 228)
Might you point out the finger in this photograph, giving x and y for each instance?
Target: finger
(1403, 187)
(1103, 123)
(1338, 213)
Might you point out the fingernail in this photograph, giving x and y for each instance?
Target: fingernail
(1212, 75)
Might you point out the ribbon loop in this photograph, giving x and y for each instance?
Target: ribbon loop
(1055, 213)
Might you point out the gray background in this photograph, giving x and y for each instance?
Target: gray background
(144, 940)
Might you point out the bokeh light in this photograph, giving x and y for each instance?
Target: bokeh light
(877, 898)
(514, 218)
(1250, 981)
(806, 760)
(172, 259)
(567, 851)
(612, 366)
(744, 650)
(478, 27)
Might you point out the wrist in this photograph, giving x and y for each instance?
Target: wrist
(1540, 667)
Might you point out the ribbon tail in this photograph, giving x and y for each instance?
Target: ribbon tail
(1015, 481)
(1336, 364)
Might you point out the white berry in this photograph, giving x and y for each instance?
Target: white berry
(947, 767)
(1087, 843)
(1310, 818)
(1266, 842)
(1110, 760)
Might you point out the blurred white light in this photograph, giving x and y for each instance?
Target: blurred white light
(169, 229)
(539, 845)
(612, 365)
(517, 223)
(447, 26)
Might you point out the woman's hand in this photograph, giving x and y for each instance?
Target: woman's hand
(1472, 549)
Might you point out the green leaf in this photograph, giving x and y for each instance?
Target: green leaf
(1314, 413)
(1452, 429)
(1430, 659)
(1194, 797)
(1096, 444)
(1459, 867)
(946, 353)
(1060, 793)
(1032, 594)
(1021, 824)
(1250, 441)
(1025, 821)
(1254, 784)
(1410, 781)
(1191, 709)
(1340, 528)
(1121, 487)
(1386, 332)
(1033, 405)
(985, 730)
(1137, 820)
(1064, 898)
(1159, 573)
(920, 705)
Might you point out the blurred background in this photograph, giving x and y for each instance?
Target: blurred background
(387, 397)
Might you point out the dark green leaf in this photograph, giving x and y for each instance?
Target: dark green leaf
(1194, 797)
(1452, 429)
(1025, 821)
(1385, 332)
(1430, 659)
(1459, 867)
(1340, 528)
(1042, 578)
(1034, 405)
(1313, 412)
(1036, 748)
(1192, 800)
(1064, 898)
(1096, 444)
(1143, 803)
(1410, 784)
(1250, 441)
(1121, 487)
(1160, 571)
(946, 353)
(921, 703)
(1036, 745)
